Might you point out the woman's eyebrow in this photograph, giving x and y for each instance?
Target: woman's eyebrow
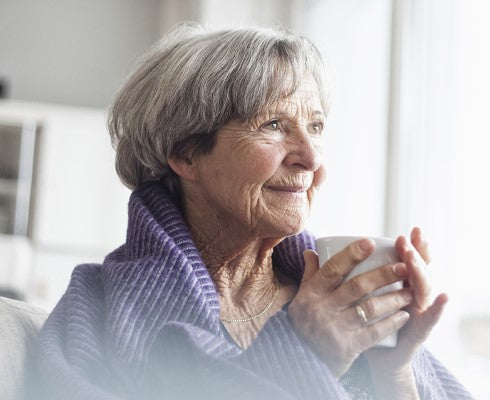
(286, 114)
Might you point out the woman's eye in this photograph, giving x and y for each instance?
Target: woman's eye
(316, 128)
(272, 125)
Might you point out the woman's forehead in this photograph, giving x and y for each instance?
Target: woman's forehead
(306, 98)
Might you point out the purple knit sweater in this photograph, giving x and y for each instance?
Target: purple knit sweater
(145, 324)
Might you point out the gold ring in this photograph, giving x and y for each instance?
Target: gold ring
(362, 314)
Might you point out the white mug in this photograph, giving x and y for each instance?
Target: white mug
(384, 253)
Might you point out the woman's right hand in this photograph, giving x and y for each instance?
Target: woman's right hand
(324, 313)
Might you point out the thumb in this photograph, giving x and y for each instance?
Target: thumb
(311, 264)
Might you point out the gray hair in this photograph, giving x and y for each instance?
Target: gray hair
(195, 81)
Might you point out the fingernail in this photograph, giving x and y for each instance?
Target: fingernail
(403, 316)
(400, 269)
(365, 245)
(308, 251)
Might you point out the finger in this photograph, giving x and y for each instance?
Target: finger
(434, 312)
(417, 280)
(334, 270)
(361, 285)
(420, 244)
(401, 246)
(377, 307)
(311, 264)
(369, 335)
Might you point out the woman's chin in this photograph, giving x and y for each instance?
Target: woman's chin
(290, 228)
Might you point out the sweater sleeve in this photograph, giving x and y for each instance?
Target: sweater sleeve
(357, 380)
(434, 381)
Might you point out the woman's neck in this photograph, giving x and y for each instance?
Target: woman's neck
(240, 267)
(238, 260)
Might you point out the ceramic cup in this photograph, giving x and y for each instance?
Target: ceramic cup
(383, 254)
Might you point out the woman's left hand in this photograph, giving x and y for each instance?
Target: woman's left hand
(391, 367)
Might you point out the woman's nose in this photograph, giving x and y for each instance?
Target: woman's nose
(304, 151)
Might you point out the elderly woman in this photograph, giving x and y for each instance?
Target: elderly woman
(217, 293)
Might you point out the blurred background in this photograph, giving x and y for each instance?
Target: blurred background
(408, 138)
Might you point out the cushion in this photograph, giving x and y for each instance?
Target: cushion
(19, 326)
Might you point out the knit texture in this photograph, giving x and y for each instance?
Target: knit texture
(145, 325)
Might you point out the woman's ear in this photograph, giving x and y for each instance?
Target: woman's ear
(183, 168)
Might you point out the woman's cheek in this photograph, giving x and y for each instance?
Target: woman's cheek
(266, 162)
(319, 176)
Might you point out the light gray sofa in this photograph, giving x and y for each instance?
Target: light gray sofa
(19, 326)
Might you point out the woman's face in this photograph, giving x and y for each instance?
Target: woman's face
(262, 174)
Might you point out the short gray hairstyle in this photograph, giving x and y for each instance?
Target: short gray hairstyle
(195, 81)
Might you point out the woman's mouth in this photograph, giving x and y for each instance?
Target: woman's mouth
(288, 189)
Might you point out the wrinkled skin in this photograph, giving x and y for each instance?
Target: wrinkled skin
(279, 149)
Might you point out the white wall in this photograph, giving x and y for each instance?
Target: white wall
(225, 13)
(71, 51)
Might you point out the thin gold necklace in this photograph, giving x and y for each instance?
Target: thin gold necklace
(256, 315)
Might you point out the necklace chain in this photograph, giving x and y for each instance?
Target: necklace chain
(256, 315)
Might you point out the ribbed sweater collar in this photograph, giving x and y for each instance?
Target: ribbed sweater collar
(123, 329)
(160, 264)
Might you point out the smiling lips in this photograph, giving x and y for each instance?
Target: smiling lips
(288, 189)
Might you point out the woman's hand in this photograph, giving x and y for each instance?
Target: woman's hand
(390, 367)
(323, 313)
